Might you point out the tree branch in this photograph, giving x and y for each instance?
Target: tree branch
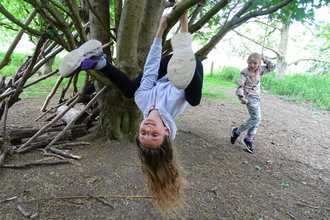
(258, 43)
(309, 59)
(6, 58)
(234, 23)
(17, 22)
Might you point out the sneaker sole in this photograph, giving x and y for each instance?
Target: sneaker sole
(182, 65)
(231, 134)
(246, 147)
(231, 131)
(70, 61)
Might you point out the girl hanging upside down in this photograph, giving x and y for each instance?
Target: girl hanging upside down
(164, 90)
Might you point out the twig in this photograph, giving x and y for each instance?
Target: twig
(101, 200)
(35, 164)
(50, 123)
(289, 214)
(64, 154)
(75, 143)
(314, 207)
(51, 94)
(9, 199)
(41, 78)
(24, 213)
(3, 155)
(49, 154)
(35, 145)
(83, 197)
(5, 118)
(75, 118)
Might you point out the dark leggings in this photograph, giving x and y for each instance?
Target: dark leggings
(127, 87)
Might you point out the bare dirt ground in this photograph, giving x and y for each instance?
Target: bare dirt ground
(287, 177)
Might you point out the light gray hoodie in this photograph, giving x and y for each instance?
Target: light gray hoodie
(159, 94)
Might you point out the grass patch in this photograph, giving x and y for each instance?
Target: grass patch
(212, 86)
(302, 88)
(44, 87)
(17, 59)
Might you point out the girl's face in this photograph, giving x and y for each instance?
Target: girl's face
(253, 64)
(152, 130)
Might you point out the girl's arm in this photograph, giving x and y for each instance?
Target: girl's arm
(162, 26)
(270, 66)
(150, 72)
(240, 86)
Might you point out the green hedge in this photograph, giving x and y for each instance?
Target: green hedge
(18, 59)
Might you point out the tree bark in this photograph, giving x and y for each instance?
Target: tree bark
(283, 46)
(120, 117)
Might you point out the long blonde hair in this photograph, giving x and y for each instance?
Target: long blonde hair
(164, 177)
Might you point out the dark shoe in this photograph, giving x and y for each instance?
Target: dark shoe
(248, 145)
(87, 56)
(233, 135)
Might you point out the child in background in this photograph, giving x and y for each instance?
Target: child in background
(160, 97)
(248, 91)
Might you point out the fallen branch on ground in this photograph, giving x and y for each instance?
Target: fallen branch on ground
(102, 201)
(35, 164)
(64, 154)
(84, 197)
(9, 199)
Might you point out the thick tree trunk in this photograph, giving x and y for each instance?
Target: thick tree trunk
(281, 61)
(120, 117)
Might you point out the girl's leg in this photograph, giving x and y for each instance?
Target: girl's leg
(163, 66)
(255, 112)
(126, 86)
(253, 122)
(193, 92)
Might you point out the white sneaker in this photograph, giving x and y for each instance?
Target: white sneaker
(73, 60)
(181, 67)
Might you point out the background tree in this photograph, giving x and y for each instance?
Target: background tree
(271, 34)
(126, 29)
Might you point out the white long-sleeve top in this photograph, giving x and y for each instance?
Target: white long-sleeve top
(159, 94)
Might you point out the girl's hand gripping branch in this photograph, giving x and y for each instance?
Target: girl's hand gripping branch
(162, 26)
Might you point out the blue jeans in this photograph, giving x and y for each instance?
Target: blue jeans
(255, 117)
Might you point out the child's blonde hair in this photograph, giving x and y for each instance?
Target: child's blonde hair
(164, 177)
(254, 56)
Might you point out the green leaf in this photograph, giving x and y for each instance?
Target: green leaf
(285, 184)
(245, 162)
(257, 168)
(304, 183)
(51, 32)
